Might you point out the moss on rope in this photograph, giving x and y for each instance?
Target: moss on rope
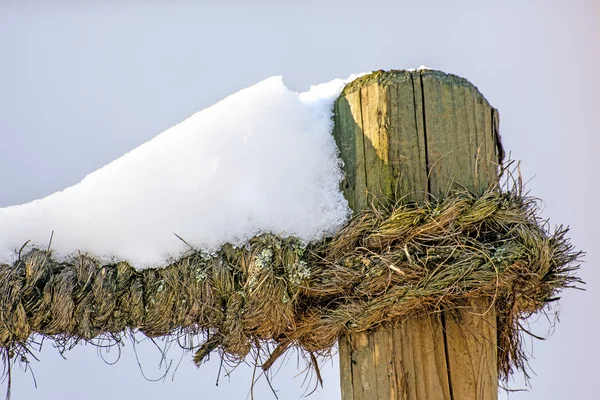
(382, 267)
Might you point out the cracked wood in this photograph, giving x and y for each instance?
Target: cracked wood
(409, 136)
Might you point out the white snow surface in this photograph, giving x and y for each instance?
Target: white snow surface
(261, 160)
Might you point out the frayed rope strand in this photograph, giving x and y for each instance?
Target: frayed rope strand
(383, 266)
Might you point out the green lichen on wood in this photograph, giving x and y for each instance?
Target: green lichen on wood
(388, 77)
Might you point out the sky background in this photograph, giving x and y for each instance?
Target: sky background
(83, 83)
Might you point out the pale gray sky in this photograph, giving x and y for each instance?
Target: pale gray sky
(83, 83)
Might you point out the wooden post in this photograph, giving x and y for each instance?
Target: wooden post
(411, 136)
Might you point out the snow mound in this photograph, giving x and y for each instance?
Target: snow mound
(261, 160)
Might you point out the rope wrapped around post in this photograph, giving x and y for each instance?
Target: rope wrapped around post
(385, 265)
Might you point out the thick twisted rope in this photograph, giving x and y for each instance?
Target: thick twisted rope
(384, 266)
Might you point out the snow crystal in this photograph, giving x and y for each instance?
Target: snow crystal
(261, 160)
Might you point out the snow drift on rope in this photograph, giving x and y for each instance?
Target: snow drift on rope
(261, 160)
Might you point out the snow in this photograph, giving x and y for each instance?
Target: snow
(421, 68)
(261, 160)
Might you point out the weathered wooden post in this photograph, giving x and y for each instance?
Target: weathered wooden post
(410, 136)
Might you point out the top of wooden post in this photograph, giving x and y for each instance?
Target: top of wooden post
(400, 75)
(409, 135)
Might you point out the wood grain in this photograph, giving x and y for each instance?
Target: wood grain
(408, 136)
